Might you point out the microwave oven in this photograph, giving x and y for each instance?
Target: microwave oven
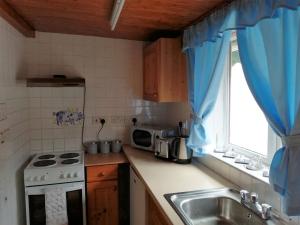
(144, 136)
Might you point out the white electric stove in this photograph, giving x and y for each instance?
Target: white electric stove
(55, 170)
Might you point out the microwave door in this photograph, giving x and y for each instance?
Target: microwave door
(143, 139)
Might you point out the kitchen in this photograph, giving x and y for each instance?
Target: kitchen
(113, 49)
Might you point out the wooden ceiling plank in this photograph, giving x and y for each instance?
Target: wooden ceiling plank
(140, 19)
(12, 17)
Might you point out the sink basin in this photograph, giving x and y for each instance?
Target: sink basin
(214, 207)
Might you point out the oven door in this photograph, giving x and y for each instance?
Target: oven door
(75, 198)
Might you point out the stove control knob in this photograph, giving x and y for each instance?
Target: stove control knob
(62, 176)
(69, 175)
(43, 178)
(36, 178)
(75, 175)
(29, 179)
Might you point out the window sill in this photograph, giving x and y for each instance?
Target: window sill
(241, 167)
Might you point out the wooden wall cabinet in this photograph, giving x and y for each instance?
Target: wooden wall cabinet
(165, 73)
(102, 195)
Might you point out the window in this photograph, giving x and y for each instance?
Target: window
(248, 127)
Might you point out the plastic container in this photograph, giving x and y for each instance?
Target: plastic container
(116, 146)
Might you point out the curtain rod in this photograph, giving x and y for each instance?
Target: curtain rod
(208, 13)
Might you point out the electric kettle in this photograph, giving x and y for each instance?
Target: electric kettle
(179, 151)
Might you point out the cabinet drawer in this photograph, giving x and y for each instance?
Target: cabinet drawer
(98, 173)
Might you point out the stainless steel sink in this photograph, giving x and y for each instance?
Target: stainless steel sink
(215, 207)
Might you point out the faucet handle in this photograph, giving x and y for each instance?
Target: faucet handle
(266, 211)
(245, 195)
(254, 197)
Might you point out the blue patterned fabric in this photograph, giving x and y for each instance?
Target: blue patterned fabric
(206, 64)
(237, 15)
(270, 55)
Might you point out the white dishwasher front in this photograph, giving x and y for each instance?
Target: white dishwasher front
(137, 200)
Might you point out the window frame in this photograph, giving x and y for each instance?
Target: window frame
(274, 141)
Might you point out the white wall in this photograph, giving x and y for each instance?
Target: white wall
(113, 71)
(14, 107)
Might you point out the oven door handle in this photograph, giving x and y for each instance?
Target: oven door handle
(39, 190)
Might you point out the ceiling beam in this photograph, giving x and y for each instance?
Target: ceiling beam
(18, 22)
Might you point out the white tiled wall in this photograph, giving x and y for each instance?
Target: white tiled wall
(113, 72)
(14, 115)
(45, 134)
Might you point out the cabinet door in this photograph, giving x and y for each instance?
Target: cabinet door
(173, 78)
(103, 203)
(155, 216)
(151, 71)
(137, 200)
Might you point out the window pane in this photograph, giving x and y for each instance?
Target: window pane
(248, 126)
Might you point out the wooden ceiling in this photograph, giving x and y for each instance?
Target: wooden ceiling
(139, 19)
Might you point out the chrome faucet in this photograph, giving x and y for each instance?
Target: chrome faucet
(251, 202)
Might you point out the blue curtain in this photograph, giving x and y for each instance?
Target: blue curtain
(206, 46)
(237, 15)
(206, 64)
(270, 55)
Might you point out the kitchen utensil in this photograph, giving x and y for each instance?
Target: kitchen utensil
(116, 146)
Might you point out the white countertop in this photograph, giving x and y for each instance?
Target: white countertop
(161, 177)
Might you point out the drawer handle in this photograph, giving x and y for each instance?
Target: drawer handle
(101, 174)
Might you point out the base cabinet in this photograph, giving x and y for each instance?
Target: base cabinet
(155, 215)
(137, 200)
(102, 196)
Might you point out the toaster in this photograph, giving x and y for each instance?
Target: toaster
(163, 148)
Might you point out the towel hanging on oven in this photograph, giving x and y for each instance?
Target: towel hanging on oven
(56, 207)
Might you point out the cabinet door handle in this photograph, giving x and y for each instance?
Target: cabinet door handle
(155, 94)
(101, 174)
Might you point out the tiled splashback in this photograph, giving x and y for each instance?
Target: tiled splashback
(113, 72)
(45, 133)
(14, 127)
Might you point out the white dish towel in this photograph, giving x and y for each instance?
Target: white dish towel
(56, 207)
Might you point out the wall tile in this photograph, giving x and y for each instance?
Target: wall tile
(14, 152)
(113, 72)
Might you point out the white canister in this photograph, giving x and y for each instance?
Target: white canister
(105, 147)
(116, 146)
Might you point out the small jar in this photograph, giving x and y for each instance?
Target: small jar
(105, 147)
(116, 146)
